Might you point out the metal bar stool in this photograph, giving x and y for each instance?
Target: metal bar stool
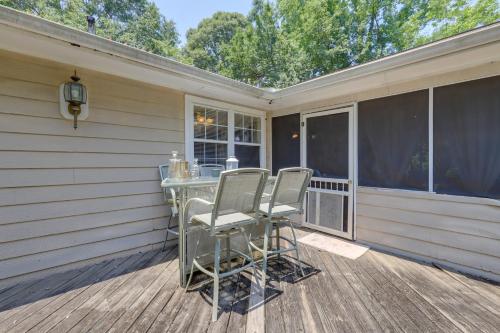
(171, 199)
(236, 205)
(207, 170)
(286, 199)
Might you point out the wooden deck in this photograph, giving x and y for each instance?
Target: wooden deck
(140, 293)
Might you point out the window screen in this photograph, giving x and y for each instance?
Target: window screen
(467, 138)
(248, 156)
(328, 145)
(286, 142)
(393, 141)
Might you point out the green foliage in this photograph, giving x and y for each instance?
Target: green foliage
(136, 23)
(281, 42)
(261, 54)
(453, 17)
(295, 40)
(206, 44)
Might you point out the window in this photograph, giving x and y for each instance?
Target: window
(210, 135)
(247, 137)
(219, 130)
(467, 138)
(393, 141)
(286, 142)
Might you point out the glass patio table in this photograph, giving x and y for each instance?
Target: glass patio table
(183, 187)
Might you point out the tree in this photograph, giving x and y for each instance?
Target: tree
(260, 54)
(448, 18)
(205, 44)
(133, 22)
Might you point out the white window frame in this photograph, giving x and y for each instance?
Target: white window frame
(231, 109)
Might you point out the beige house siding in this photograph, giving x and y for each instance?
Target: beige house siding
(459, 232)
(463, 234)
(68, 197)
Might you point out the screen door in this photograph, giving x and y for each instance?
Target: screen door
(327, 142)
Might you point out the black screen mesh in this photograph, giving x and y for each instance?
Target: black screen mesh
(286, 142)
(393, 141)
(467, 138)
(328, 145)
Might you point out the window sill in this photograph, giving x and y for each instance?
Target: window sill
(428, 196)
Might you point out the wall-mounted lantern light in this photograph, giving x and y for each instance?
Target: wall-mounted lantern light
(75, 94)
(73, 99)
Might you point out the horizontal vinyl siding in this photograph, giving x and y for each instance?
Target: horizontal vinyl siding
(459, 234)
(72, 197)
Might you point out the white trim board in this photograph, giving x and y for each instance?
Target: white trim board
(191, 101)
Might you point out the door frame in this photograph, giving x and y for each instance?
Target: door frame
(352, 177)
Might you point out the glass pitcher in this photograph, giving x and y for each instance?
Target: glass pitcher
(174, 168)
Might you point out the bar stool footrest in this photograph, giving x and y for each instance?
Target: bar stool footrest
(291, 242)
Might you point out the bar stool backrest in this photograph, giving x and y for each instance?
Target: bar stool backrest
(168, 194)
(240, 191)
(206, 169)
(163, 171)
(290, 188)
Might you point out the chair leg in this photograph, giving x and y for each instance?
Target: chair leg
(250, 251)
(278, 239)
(192, 263)
(264, 251)
(228, 253)
(270, 238)
(296, 248)
(166, 237)
(215, 302)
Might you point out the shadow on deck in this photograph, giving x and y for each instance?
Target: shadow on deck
(140, 293)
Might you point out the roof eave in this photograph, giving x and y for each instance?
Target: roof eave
(61, 32)
(252, 95)
(463, 41)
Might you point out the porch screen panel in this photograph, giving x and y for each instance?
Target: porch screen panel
(286, 142)
(328, 145)
(393, 141)
(467, 138)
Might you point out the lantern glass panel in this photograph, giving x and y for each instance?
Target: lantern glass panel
(75, 92)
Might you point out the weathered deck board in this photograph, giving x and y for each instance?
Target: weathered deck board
(35, 311)
(104, 312)
(377, 292)
(130, 314)
(77, 314)
(374, 307)
(325, 293)
(60, 314)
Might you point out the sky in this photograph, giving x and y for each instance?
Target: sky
(188, 13)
